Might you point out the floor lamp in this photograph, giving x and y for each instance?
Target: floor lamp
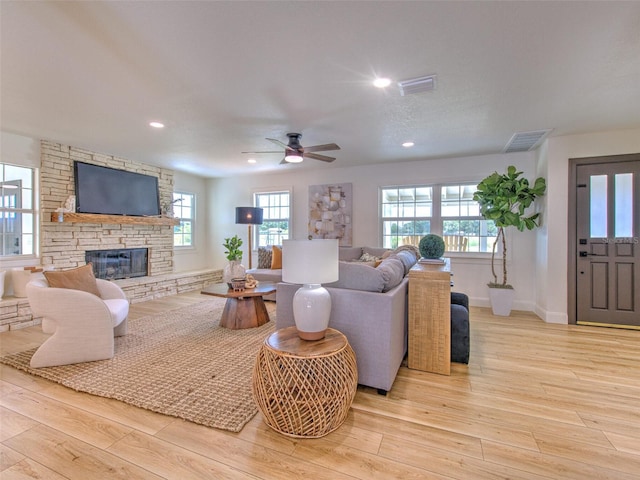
(249, 216)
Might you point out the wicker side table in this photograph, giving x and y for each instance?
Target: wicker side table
(305, 388)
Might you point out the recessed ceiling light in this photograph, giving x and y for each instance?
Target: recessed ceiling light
(252, 160)
(408, 144)
(156, 125)
(381, 82)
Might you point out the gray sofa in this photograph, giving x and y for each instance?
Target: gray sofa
(368, 305)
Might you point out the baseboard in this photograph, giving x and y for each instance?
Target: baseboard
(517, 304)
(552, 317)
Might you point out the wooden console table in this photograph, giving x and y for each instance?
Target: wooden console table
(430, 317)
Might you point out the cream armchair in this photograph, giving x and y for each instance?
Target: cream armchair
(82, 325)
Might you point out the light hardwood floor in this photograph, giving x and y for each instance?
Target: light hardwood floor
(536, 401)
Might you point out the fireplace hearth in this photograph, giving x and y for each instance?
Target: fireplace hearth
(119, 263)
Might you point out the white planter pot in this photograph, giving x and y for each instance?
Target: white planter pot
(501, 300)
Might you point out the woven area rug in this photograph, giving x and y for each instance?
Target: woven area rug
(179, 363)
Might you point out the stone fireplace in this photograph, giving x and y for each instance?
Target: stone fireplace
(64, 244)
(119, 263)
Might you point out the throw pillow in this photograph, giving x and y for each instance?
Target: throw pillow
(276, 257)
(392, 272)
(407, 258)
(264, 257)
(375, 251)
(367, 257)
(81, 278)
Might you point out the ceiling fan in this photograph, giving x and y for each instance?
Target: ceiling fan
(294, 152)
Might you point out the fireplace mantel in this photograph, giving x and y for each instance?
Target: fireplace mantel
(114, 219)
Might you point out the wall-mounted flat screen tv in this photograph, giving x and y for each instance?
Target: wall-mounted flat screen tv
(111, 191)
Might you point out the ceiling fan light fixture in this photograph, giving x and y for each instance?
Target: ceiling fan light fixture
(293, 157)
(382, 82)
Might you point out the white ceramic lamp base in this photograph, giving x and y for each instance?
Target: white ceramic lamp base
(311, 311)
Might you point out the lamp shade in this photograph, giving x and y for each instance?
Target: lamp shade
(310, 261)
(249, 215)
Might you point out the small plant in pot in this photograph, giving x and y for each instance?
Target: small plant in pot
(504, 198)
(431, 246)
(234, 269)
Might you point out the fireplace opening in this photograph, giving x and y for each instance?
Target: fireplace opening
(119, 263)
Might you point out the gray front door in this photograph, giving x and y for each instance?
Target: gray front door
(608, 244)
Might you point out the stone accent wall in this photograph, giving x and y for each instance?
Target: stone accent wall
(63, 244)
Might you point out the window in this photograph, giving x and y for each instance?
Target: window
(17, 210)
(183, 208)
(406, 215)
(409, 213)
(275, 218)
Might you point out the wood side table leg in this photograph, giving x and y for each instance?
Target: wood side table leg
(247, 312)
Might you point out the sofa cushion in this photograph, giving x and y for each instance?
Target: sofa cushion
(276, 257)
(118, 308)
(81, 278)
(392, 272)
(355, 276)
(347, 254)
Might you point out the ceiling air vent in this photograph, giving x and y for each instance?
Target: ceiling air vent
(417, 85)
(525, 141)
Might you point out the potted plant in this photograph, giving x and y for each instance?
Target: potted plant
(432, 247)
(234, 269)
(504, 198)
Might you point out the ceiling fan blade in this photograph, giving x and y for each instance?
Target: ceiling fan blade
(315, 156)
(322, 148)
(278, 151)
(278, 142)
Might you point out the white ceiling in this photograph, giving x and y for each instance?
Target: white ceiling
(223, 76)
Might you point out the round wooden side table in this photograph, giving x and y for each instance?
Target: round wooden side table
(305, 388)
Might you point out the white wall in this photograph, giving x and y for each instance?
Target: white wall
(19, 150)
(470, 275)
(551, 296)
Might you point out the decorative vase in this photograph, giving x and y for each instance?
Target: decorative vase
(311, 311)
(501, 300)
(233, 269)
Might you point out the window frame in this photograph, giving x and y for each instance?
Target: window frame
(256, 203)
(191, 219)
(21, 258)
(437, 219)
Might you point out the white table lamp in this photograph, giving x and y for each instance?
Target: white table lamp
(311, 263)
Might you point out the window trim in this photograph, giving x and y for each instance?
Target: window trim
(28, 259)
(192, 246)
(267, 191)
